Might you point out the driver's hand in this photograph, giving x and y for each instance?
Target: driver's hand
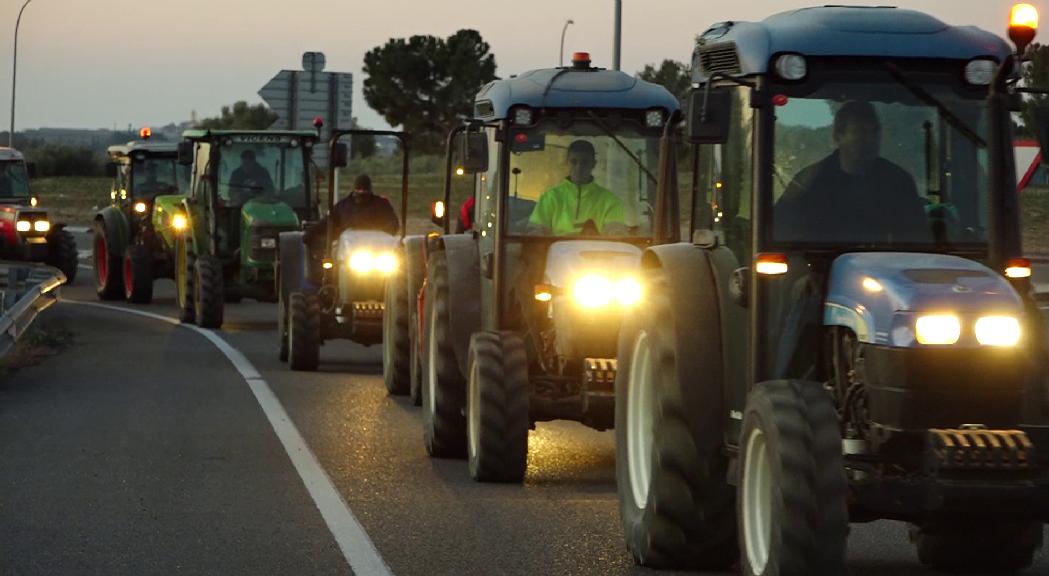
(589, 228)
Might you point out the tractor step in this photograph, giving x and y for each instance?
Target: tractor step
(978, 449)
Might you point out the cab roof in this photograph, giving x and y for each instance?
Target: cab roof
(571, 88)
(744, 48)
(10, 155)
(143, 147)
(202, 134)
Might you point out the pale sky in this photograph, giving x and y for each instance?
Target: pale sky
(100, 63)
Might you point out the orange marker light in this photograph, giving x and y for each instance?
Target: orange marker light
(438, 209)
(771, 264)
(145, 133)
(1018, 268)
(1023, 16)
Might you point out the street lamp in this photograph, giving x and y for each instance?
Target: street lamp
(561, 54)
(14, 78)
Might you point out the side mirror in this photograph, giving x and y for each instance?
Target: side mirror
(438, 213)
(475, 152)
(111, 169)
(340, 155)
(708, 116)
(1041, 118)
(185, 153)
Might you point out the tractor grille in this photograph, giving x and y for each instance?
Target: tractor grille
(264, 242)
(720, 58)
(978, 449)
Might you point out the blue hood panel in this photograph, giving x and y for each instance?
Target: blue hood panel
(911, 285)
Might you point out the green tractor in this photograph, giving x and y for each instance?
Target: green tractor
(134, 236)
(246, 188)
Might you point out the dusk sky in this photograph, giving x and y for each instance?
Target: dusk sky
(106, 63)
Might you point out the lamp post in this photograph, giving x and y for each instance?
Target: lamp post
(14, 78)
(561, 54)
(618, 35)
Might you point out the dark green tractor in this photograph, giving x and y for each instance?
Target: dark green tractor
(135, 236)
(246, 188)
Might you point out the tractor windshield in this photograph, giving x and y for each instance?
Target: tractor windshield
(587, 178)
(274, 171)
(14, 180)
(157, 175)
(886, 162)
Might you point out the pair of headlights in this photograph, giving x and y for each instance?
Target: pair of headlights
(946, 329)
(34, 225)
(597, 291)
(366, 261)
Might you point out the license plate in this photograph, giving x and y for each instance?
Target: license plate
(269, 242)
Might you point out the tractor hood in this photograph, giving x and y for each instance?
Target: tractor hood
(259, 212)
(570, 258)
(879, 295)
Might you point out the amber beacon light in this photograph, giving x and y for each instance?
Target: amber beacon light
(1023, 26)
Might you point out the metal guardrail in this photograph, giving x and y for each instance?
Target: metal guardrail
(25, 291)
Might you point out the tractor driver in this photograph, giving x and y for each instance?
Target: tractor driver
(360, 210)
(853, 194)
(151, 186)
(250, 178)
(579, 205)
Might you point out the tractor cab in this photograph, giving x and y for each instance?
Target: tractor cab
(854, 293)
(14, 178)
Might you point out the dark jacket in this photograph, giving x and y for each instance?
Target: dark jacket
(371, 213)
(826, 204)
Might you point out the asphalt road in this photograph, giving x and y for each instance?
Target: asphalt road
(140, 449)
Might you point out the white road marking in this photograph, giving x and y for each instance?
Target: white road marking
(85, 267)
(84, 254)
(357, 548)
(78, 229)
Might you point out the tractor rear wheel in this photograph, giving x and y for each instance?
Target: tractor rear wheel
(497, 407)
(396, 354)
(444, 390)
(792, 512)
(304, 331)
(208, 291)
(675, 502)
(62, 253)
(138, 274)
(986, 546)
(185, 270)
(108, 280)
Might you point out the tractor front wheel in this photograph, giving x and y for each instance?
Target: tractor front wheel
(108, 280)
(138, 274)
(988, 546)
(497, 418)
(185, 270)
(282, 326)
(396, 354)
(443, 391)
(208, 292)
(62, 253)
(304, 331)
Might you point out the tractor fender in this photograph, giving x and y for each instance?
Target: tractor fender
(464, 286)
(291, 263)
(878, 295)
(116, 227)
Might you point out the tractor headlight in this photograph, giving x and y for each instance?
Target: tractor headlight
(597, 291)
(267, 243)
(24, 226)
(140, 207)
(938, 329)
(998, 331)
(365, 261)
(41, 226)
(178, 222)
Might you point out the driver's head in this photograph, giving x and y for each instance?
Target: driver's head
(362, 188)
(581, 161)
(247, 158)
(857, 135)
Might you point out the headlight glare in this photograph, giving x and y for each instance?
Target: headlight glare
(998, 331)
(938, 329)
(628, 292)
(24, 226)
(386, 263)
(362, 261)
(592, 291)
(41, 225)
(140, 207)
(178, 222)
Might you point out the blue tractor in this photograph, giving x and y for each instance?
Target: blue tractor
(848, 333)
(521, 313)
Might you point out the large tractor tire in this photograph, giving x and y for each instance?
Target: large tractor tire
(208, 292)
(497, 407)
(185, 281)
(289, 272)
(985, 546)
(109, 282)
(282, 326)
(62, 253)
(676, 504)
(792, 512)
(415, 269)
(396, 353)
(444, 389)
(304, 328)
(138, 274)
